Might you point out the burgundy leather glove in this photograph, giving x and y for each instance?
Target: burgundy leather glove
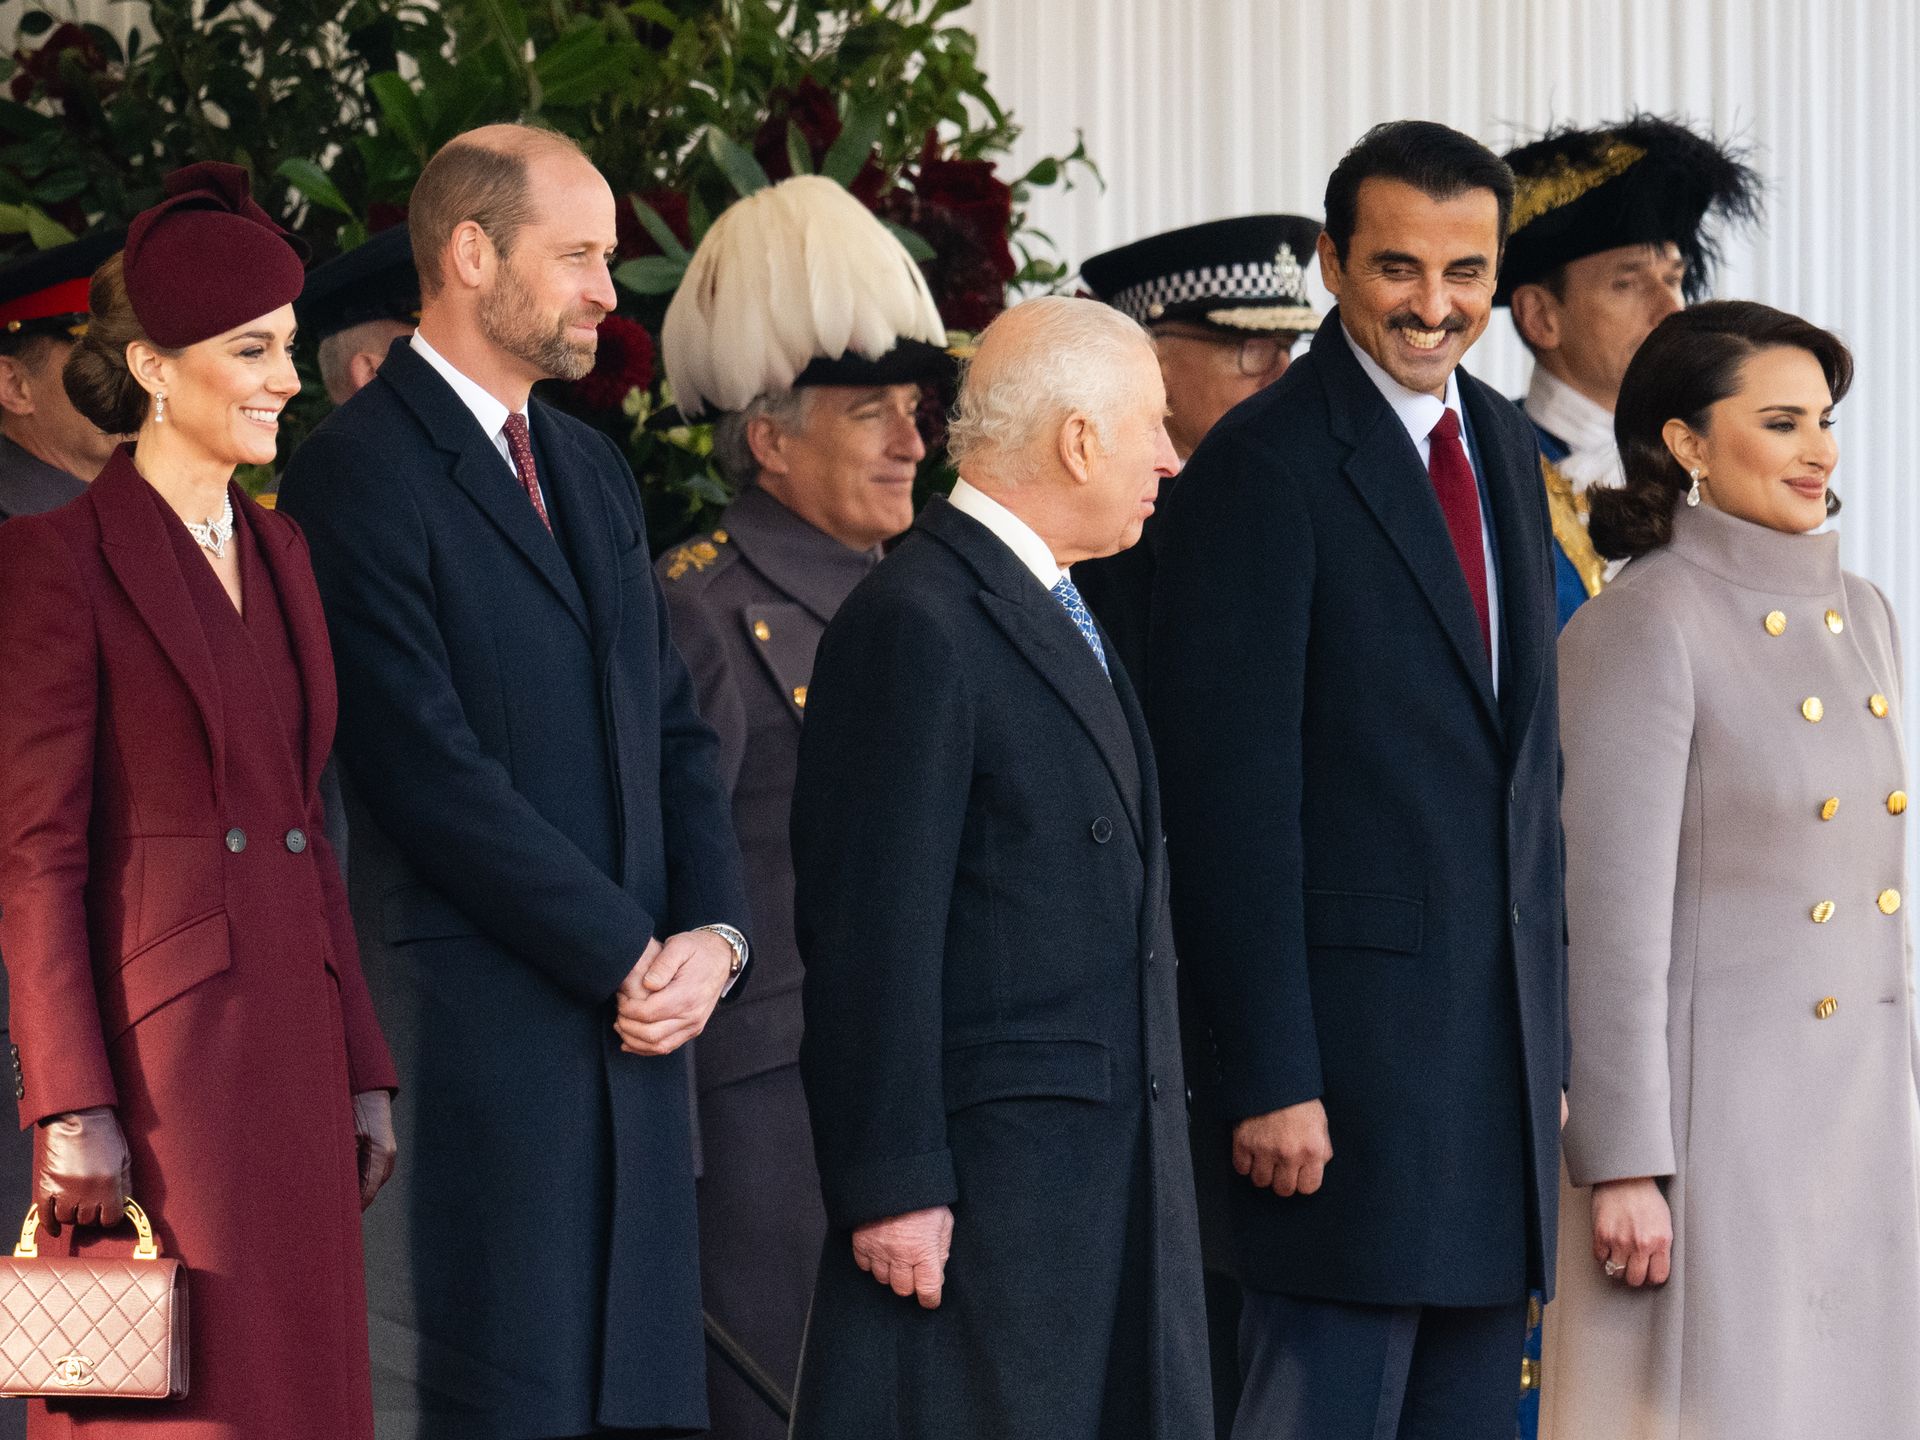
(81, 1169)
(373, 1127)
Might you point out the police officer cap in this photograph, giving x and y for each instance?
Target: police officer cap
(1244, 276)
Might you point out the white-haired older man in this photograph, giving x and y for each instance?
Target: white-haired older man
(991, 1052)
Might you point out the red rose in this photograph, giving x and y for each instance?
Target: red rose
(965, 212)
(39, 70)
(811, 109)
(631, 237)
(624, 363)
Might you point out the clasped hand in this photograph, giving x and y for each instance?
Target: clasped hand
(666, 998)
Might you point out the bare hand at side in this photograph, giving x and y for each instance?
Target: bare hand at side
(1632, 1226)
(1285, 1151)
(908, 1253)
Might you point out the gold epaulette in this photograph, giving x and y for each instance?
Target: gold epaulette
(1568, 511)
(695, 555)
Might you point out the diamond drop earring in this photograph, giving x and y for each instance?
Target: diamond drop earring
(160, 410)
(1693, 494)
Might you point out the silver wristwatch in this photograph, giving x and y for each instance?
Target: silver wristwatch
(738, 943)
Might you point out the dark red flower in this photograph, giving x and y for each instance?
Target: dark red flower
(811, 109)
(631, 237)
(623, 364)
(965, 212)
(385, 215)
(39, 70)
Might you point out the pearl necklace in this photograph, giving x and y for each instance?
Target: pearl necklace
(215, 534)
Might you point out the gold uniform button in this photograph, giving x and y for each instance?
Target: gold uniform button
(1823, 912)
(1878, 704)
(1826, 1009)
(1889, 901)
(761, 631)
(1897, 803)
(1812, 708)
(800, 696)
(1776, 622)
(1831, 808)
(720, 538)
(1834, 622)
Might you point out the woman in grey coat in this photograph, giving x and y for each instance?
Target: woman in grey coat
(1740, 1240)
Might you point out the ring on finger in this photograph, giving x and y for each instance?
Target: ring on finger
(1614, 1268)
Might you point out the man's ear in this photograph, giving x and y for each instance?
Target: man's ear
(1079, 446)
(1330, 269)
(470, 258)
(1536, 315)
(16, 386)
(763, 439)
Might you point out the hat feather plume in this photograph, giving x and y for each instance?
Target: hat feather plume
(796, 271)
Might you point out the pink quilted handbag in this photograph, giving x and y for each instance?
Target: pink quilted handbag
(74, 1327)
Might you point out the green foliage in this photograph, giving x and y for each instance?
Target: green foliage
(334, 105)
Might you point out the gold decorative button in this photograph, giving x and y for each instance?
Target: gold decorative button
(1897, 803)
(1826, 1009)
(1529, 1373)
(1776, 622)
(1812, 708)
(1823, 912)
(720, 538)
(1834, 622)
(1830, 808)
(1889, 901)
(1878, 704)
(761, 631)
(800, 696)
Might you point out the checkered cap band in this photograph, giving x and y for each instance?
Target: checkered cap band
(1240, 281)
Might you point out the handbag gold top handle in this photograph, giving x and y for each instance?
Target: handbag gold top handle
(145, 1249)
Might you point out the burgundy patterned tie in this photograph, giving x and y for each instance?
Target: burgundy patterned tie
(520, 445)
(1453, 483)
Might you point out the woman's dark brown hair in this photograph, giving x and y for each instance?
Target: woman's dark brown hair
(1690, 363)
(98, 381)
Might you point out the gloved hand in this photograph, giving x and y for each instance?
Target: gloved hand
(373, 1127)
(81, 1169)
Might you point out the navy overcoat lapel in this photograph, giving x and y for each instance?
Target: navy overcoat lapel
(1385, 468)
(480, 471)
(133, 537)
(1041, 631)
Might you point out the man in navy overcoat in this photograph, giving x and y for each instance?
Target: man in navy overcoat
(1354, 704)
(544, 867)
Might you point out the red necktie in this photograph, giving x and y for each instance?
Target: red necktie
(1453, 483)
(520, 446)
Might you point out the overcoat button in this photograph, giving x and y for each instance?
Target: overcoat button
(1888, 901)
(1830, 807)
(1826, 1009)
(762, 630)
(1153, 1086)
(1878, 705)
(296, 840)
(1812, 708)
(1823, 912)
(1834, 622)
(236, 840)
(1776, 622)
(1516, 917)
(1897, 803)
(1102, 830)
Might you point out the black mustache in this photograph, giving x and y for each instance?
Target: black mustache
(1407, 320)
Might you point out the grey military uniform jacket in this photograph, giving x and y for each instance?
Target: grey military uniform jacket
(1741, 1002)
(749, 604)
(30, 486)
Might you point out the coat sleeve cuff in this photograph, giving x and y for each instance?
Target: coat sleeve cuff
(1626, 1152)
(877, 1189)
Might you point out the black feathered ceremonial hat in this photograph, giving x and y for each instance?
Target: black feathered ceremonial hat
(375, 280)
(1244, 276)
(46, 293)
(1645, 181)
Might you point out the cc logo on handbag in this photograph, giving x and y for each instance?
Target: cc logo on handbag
(73, 1371)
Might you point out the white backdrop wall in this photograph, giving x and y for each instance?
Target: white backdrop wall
(1196, 109)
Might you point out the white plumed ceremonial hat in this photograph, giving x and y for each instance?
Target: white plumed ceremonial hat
(787, 282)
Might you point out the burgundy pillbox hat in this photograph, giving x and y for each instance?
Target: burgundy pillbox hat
(208, 258)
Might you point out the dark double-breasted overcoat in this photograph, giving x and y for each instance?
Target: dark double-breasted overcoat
(990, 1017)
(1365, 834)
(535, 798)
(177, 938)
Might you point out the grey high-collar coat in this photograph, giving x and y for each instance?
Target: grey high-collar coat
(1741, 996)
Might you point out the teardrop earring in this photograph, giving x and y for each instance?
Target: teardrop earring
(160, 410)
(1693, 495)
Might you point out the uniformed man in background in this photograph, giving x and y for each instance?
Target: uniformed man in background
(356, 305)
(818, 388)
(1613, 229)
(1226, 302)
(49, 452)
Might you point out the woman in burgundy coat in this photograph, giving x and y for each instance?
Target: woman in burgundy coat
(189, 1017)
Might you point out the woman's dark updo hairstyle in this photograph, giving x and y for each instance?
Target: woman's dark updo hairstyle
(1690, 363)
(98, 381)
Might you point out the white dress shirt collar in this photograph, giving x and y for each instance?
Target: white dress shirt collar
(1010, 529)
(491, 414)
(1586, 428)
(1417, 410)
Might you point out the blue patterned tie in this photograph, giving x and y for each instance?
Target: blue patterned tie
(1067, 595)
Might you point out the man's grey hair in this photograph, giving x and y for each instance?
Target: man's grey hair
(1078, 358)
(733, 454)
(337, 352)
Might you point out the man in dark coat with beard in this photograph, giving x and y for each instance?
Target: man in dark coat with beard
(544, 866)
(991, 1054)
